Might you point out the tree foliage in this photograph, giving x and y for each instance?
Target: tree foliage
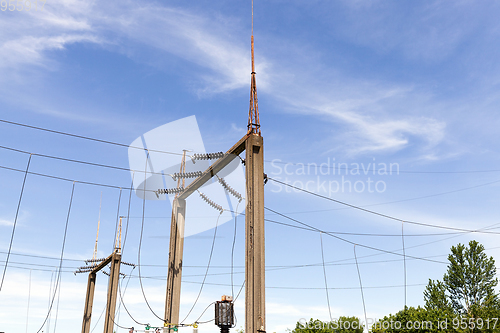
(464, 301)
(469, 284)
(415, 320)
(435, 296)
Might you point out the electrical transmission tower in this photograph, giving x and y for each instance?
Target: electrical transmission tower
(253, 144)
(93, 267)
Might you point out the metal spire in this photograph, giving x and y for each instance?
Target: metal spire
(253, 114)
(98, 223)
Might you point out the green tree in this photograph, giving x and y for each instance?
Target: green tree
(467, 290)
(416, 320)
(471, 278)
(468, 284)
(435, 296)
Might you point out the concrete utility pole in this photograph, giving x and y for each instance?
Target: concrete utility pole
(114, 275)
(89, 302)
(175, 253)
(255, 298)
(255, 308)
(115, 260)
(253, 143)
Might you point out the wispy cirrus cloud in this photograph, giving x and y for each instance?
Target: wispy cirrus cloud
(222, 63)
(28, 35)
(6, 223)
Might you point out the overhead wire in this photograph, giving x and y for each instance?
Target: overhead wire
(361, 286)
(62, 254)
(69, 180)
(314, 229)
(128, 213)
(352, 206)
(324, 275)
(126, 286)
(140, 242)
(15, 223)
(28, 308)
(340, 262)
(232, 248)
(368, 169)
(86, 137)
(50, 294)
(371, 211)
(98, 319)
(404, 257)
(57, 306)
(206, 272)
(208, 306)
(403, 200)
(125, 307)
(180, 154)
(348, 241)
(122, 251)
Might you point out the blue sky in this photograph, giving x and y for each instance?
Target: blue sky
(357, 82)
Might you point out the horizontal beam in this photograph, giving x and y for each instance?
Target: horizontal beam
(102, 264)
(212, 170)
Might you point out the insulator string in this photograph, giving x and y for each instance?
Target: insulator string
(208, 156)
(228, 188)
(211, 203)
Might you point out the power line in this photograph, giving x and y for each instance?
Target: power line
(404, 200)
(62, 254)
(351, 206)
(404, 257)
(381, 235)
(232, 249)
(77, 161)
(180, 154)
(122, 302)
(86, 137)
(368, 169)
(310, 228)
(306, 288)
(374, 212)
(15, 222)
(140, 244)
(324, 274)
(70, 180)
(348, 241)
(361, 284)
(208, 267)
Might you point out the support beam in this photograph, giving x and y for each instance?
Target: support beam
(114, 276)
(173, 298)
(89, 301)
(255, 308)
(212, 170)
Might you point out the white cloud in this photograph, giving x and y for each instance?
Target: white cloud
(30, 49)
(6, 223)
(204, 41)
(222, 63)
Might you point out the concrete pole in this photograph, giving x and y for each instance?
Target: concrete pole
(173, 297)
(255, 307)
(114, 276)
(89, 301)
